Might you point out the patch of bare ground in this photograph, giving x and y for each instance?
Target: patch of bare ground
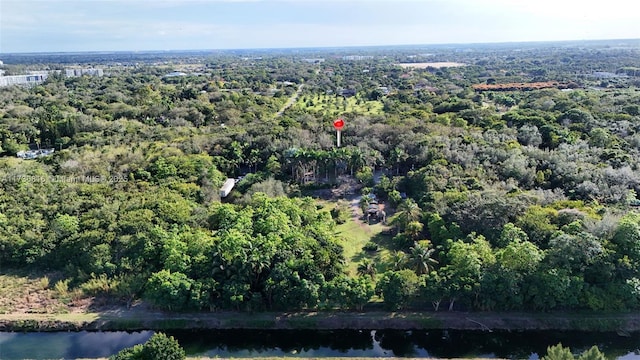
(39, 294)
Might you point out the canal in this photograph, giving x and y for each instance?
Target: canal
(307, 343)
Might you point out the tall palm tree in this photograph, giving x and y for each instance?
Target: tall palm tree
(356, 159)
(421, 259)
(408, 211)
(397, 156)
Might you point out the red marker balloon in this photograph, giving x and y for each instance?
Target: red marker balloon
(338, 124)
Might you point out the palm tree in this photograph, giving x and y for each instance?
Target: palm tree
(421, 259)
(339, 157)
(397, 156)
(356, 159)
(398, 260)
(366, 267)
(408, 211)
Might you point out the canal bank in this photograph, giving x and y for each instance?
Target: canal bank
(133, 320)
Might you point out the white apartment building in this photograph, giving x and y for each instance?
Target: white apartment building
(81, 72)
(31, 79)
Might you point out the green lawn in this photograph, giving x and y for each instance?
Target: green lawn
(355, 235)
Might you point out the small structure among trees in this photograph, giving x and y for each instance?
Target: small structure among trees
(227, 187)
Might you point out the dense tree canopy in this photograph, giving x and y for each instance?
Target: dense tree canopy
(504, 198)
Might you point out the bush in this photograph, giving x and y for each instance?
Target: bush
(341, 212)
(370, 246)
(160, 346)
(558, 352)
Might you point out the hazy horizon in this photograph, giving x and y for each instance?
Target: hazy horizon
(35, 26)
(461, 44)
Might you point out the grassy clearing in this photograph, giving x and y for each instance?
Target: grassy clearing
(335, 105)
(355, 234)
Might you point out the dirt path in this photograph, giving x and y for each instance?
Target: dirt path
(292, 100)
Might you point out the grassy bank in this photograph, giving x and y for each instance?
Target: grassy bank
(138, 320)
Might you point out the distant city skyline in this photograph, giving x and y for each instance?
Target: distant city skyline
(142, 25)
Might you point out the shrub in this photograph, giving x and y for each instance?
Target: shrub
(370, 246)
(341, 212)
(160, 346)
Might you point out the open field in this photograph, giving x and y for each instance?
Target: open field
(436, 65)
(331, 105)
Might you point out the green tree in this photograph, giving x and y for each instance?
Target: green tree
(510, 233)
(347, 293)
(289, 290)
(398, 288)
(65, 225)
(168, 290)
(467, 264)
(626, 242)
(558, 352)
(520, 256)
(273, 166)
(573, 252)
(537, 222)
(413, 230)
(548, 289)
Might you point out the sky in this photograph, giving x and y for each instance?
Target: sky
(138, 25)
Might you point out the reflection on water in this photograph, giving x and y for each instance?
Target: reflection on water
(396, 343)
(67, 345)
(308, 343)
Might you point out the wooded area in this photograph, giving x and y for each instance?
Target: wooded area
(500, 200)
